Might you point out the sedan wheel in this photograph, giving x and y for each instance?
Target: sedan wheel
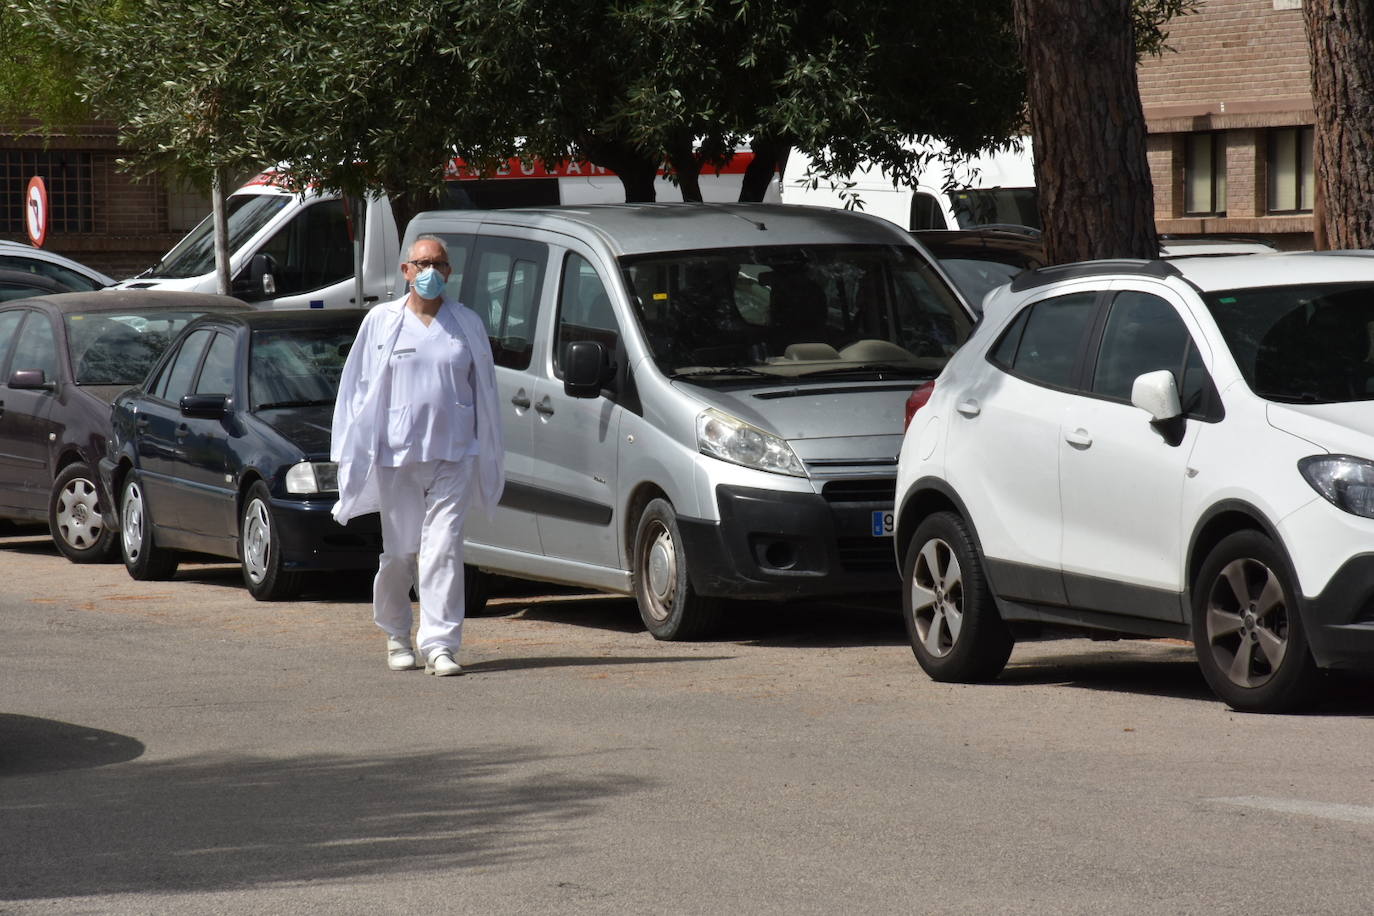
(142, 557)
(75, 519)
(260, 550)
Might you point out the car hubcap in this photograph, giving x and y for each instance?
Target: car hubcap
(1247, 623)
(937, 598)
(131, 522)
(78, 514)
(661, 567)
(257, 540)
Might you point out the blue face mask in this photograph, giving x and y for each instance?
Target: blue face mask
(429, 284)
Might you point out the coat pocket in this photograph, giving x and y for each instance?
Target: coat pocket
(399, 427)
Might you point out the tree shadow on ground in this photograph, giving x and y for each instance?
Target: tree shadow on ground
(213, 822)
(32, 745)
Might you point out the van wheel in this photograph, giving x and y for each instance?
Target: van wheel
(476, 588)
(75, 519)
(951, 618)
(142, 557)
(1248, 630)
(669, 606)
(260, 550)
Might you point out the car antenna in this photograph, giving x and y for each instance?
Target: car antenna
(756, 223)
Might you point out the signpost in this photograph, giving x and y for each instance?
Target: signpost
(36, 211)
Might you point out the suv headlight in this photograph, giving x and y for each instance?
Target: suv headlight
(313, 477)
(731, 439)
(1347, 482)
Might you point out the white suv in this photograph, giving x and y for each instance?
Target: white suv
(1157, 449)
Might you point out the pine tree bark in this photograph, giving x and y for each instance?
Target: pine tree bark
(1340, 40)
(1091, 170)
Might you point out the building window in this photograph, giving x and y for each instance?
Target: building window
(70, 183)
(1204, 174)
(1292, 182)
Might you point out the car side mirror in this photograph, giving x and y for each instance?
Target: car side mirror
(205, 406)
(1156, 393)
(31, 380)
(257, 281)
(586, 369)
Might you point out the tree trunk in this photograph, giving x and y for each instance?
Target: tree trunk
(1340, 39)
(635, 170)
(1091, 170)
(770, 158)
(682, 156)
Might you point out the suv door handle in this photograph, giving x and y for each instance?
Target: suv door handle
(969, 408)
(521, 400)
(1079, 438)
(545, 407)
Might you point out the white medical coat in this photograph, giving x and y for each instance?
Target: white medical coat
(360, 410)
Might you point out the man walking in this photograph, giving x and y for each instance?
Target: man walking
(417, 436)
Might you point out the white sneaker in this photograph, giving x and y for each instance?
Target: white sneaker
(441, 664)
(399, 655)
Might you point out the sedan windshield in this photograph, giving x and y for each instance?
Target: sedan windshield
(195, 254)
(1306, 344)
(297, 367)
(786, 311)
(118, 348)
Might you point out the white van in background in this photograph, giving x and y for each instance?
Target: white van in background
(997, 189)
(289, 250)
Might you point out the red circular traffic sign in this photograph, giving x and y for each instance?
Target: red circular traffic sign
(36, 211)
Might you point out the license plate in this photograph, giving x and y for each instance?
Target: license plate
(882, 523)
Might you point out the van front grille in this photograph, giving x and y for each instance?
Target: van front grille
(865, 490)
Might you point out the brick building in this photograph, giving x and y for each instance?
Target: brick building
(1230, 123)
(100, 215)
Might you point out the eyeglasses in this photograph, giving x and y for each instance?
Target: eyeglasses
(426, 263)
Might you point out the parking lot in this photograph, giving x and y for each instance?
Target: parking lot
(180, 748)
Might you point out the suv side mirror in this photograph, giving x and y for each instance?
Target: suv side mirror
(586, 369)
(1156, 393)
(31, 380)
(205, 406)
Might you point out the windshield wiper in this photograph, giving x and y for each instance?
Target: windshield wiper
(274, 405)
(871, 368)
(722, 370)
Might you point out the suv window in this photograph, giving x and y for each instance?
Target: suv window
(1044, 343)
(584, 308)
(1143, 333)
(504, 292)
(37, 347)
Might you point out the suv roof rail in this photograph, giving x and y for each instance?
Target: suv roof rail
(1029, 279)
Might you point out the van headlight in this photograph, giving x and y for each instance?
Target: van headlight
(731, 439)
(1347, 482)
(313, 477)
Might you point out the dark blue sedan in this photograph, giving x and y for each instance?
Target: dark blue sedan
(224, 450)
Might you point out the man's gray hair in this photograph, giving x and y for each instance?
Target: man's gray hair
(428, 238)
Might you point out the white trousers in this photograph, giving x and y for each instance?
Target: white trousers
(422, 510)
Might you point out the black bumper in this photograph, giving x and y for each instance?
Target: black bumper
(788, 545)
(1340, 621)
(310, 538)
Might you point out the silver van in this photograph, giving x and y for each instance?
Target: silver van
(701, 401)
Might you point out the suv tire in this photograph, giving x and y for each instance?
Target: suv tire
(1247, 627)
(951, 618)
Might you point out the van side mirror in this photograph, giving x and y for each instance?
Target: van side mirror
(1156, 393)
(205, 406)
(586, 369)
(257, 282)
(31, 380)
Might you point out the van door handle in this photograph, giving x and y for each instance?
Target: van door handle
(354, 301)
(969, 408)
(1079, 438)
(2, 408)
(521, 400)
(545, 407)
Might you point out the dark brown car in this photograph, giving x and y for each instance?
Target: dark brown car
(63, 359)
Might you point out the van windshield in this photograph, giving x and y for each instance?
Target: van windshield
(787, 311)
(195, 254)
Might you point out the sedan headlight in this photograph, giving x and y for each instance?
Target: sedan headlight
(1347, 482)
(313, 477)
(731, 439)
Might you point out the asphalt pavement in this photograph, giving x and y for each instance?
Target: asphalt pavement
(180, 748)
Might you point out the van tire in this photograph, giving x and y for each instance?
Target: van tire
(669, 606)
(476, 589)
